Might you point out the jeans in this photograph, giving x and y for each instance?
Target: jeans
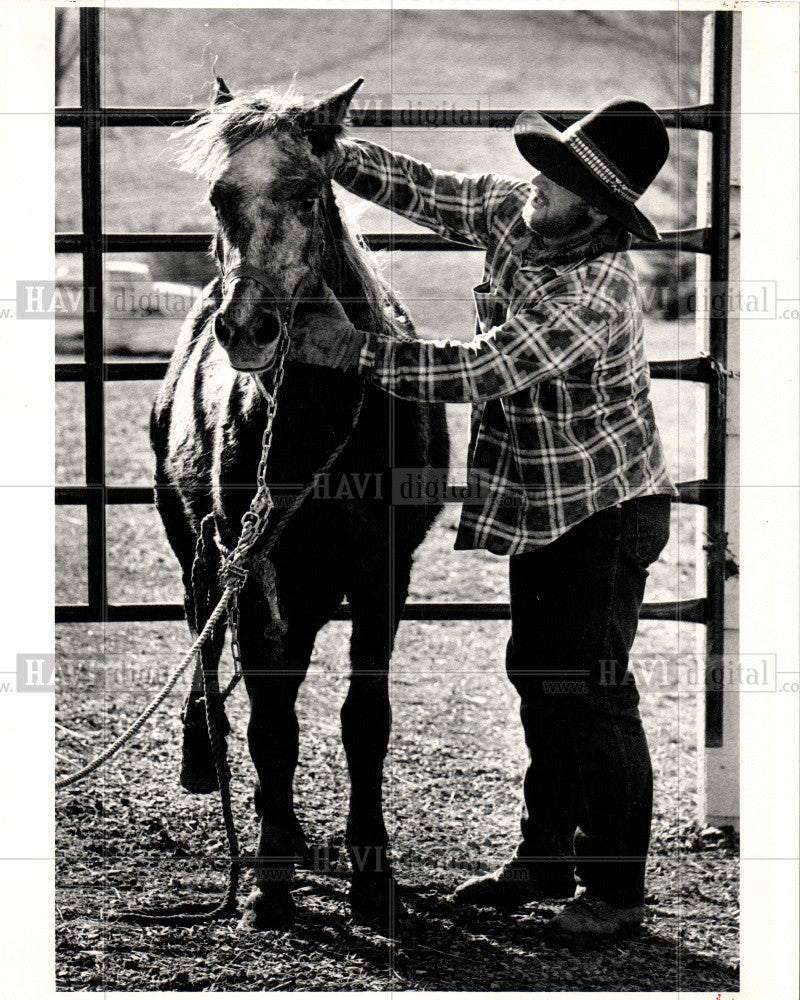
(575, 608)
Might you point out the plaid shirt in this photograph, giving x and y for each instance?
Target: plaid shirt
(562, 424)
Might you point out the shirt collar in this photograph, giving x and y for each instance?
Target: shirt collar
(529, 247)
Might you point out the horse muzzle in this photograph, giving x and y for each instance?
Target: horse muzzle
(252, 346)
(251, 332)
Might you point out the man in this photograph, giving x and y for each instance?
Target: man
(567, 460)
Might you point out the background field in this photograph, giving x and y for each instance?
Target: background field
(457, 754)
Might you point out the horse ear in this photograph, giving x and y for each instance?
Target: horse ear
(221, 93)
(323, 122)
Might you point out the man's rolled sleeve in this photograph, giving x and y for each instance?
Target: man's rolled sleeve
(531, 346)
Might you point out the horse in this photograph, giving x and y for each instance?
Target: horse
(279, 231)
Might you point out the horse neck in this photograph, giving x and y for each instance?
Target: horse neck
(339, 274)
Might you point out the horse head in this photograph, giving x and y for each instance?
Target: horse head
(261, 156)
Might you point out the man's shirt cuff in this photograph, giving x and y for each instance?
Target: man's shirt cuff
(366, 357)
(334, 159)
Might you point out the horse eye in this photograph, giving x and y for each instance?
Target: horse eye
(307, 204)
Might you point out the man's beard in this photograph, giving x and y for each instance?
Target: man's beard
(572, 226)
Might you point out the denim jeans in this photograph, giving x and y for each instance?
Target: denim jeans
(574, 613)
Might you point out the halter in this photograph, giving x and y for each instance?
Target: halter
(285, 306)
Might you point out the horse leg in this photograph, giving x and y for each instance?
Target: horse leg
(366, 718)
(198, 772)
(274, 668)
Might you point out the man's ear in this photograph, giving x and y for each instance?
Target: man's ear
(324, 121)
(597, 217)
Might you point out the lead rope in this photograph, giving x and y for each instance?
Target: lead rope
(234, 573)
(233, 576)
(192, 913)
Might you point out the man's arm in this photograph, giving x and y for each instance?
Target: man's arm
(533, 345)
(458, 206)
(558, 333)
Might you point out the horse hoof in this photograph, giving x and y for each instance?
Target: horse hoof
(268, 911)
(379, 907)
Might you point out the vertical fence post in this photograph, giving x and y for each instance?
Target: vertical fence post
(718, 335)
(94, 386)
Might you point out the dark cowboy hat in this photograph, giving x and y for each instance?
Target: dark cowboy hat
(609, 158)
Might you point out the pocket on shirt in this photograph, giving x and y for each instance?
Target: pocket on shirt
(486, 305)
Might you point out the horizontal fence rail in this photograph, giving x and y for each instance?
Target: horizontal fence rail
(690, 611)
(694, 491)
(95, 370)
(699, 369)
(687, 240)
(700, 116)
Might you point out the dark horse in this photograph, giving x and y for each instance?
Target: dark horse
(279, 230)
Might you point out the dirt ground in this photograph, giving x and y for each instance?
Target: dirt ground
(131, 837)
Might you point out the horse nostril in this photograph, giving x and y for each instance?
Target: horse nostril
(221, 330)
(265, 331)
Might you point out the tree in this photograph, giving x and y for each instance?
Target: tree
(67, 47)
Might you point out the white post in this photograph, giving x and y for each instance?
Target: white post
(719, 766)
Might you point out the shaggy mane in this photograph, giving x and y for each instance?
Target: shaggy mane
(224, 127)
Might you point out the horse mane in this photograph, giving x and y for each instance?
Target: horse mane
(383, 310)
(221, 129)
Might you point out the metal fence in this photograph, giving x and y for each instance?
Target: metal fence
(94, 371)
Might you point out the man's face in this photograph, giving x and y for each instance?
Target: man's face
(556, 213)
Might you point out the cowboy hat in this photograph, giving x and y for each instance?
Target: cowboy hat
(609, 157)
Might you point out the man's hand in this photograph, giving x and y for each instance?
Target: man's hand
(330, 160)
(322, 334)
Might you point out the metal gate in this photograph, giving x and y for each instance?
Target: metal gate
(709, 369)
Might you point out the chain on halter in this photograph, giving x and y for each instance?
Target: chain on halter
(235, 567)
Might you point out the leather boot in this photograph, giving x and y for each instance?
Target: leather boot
(517, 882)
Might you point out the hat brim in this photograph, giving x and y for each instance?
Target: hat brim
(543, 146)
